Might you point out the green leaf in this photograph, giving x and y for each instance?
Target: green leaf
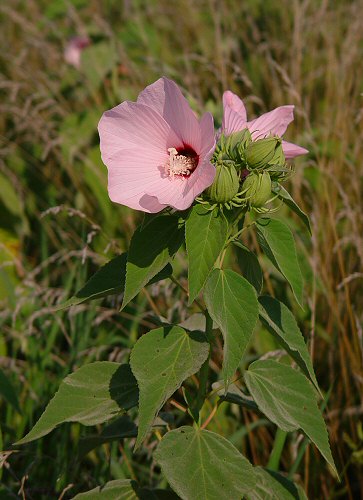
(288, 399)
(205, 236)
(161, 360)
(234, 395)
(202, 465)
(148, 218)
(146, 494)
(121, 428)
(119, 489)
(125, 489)
(278, 244)
(8, 392)
(194, 322)
(97, 61)
(232, 303)
(271, 485)
(250, 267)
(151, 249)
(109, 280)
(290, 202)
(9, 197)
(280, 322)
(91, 395)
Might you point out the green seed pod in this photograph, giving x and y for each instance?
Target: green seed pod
(257, 188)
(259, 153)
(225, 185)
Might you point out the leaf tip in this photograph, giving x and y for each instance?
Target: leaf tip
(23, 440)
(190, 299)
(138, 442)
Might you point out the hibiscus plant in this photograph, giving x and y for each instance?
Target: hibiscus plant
(201, 191)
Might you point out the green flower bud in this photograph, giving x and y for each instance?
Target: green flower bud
(257, 188)
(225, 185)
(240, 139)
(279, 157)
(259, 153)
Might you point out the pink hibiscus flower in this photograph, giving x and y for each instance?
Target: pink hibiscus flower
(74, 48)
(156, 151)
(274, 122)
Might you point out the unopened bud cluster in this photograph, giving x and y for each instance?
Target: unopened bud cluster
(245, 170)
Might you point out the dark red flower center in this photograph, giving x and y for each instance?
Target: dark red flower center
(182, 161)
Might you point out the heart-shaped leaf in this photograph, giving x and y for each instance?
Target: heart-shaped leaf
(151, 249)
(288, 399)
(249, 265)
(119, 489)
(119, 429)
(125, 489)
(286, 197)
(91, 395)
(205, 236)
(109, 280)
(271, 485)
(280, 322)
(161, 360)
(203, 465)
(278, 243)
(232, 304)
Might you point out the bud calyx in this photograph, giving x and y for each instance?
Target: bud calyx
(225, 185)
(245, 169)
(257, 189)
(259, 153)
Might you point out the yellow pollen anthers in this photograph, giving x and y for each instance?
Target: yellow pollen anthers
(179, 164)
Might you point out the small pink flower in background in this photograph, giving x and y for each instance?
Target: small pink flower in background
(73, 50)
(157, 152)
(274, 122)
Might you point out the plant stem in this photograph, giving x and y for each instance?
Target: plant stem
(177, 283)
(276, 452)
(299, 457)
(203, 372)
(208, 325)
(211, 415)
(240, 232)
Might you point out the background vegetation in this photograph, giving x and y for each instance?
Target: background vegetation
(57, 224)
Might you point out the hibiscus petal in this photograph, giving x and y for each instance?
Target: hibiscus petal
(233, 102)
(203, 180)
(292, 150)
(132, 172)
(150, 204)
(234, 113)
(207, 133)
(135, 138)
(154, 96)
(180, 192)
(133, 125)
(232, 121)
(274, 122)
(165, 97)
